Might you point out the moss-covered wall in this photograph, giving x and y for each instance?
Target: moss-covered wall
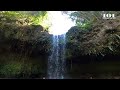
(27, 38)
(103, 38)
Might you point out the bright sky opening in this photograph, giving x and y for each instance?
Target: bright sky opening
(60, 23)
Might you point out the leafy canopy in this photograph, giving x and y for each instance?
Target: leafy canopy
(85, 19)
(26, 17)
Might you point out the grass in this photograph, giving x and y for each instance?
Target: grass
(17, 66)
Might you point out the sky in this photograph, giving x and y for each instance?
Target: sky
(60, 23)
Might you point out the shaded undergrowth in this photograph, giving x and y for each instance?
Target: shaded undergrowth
(19, 66)
(96, 70)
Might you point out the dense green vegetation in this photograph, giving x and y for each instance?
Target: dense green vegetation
(19, 29)
(85, 19)
(20, 66)
(25, 18)
(95, 35)
(25, 42)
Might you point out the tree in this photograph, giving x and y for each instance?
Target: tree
(25, 17)
(85, 19)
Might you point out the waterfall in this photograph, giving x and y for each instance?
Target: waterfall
(56, 61)
(61, 23)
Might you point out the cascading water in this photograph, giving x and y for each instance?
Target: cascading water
(56, 62)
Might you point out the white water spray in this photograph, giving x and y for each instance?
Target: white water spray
(56, 62)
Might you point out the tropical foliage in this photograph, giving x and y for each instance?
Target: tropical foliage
(101, 36)
(25, 18)
(85, 19)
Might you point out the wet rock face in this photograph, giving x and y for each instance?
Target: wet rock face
(104, 38)
(38, 27)
(30, 39)
(75, 34)
(73, 39)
